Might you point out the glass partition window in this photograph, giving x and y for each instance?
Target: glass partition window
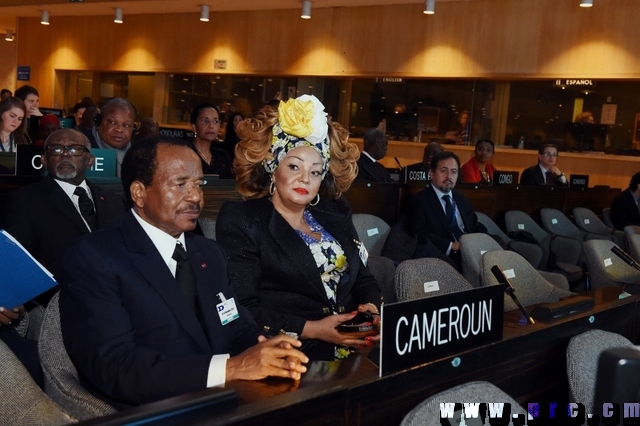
(575, 114)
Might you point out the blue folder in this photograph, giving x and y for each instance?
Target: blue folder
(21, 276)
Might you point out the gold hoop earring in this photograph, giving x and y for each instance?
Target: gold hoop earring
(272, 188)
(317, 200)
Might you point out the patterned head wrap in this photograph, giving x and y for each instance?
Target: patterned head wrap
(302, 122)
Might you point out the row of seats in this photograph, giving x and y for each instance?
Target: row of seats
(583, 353)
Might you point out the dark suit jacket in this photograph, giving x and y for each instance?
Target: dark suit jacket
(45, 221)
(128, 327)
(624, 210)
(532, 176)
(429, 223)
(372, 171)
(275, 274)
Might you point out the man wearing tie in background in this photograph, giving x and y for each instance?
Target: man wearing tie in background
(146, 309)
(440, 215)
(47, 216)
(375, 148)
(545, 172)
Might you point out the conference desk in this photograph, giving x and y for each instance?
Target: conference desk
(529, 364)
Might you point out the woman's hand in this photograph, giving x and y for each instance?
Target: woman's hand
(373, 309)
(9, 315)
(325, 329)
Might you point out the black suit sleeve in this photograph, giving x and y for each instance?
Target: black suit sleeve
(624, 211)
(421, 222)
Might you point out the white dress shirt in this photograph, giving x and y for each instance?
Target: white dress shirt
(69, 189)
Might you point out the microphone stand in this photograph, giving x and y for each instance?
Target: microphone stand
(625, 257)
(502, 279)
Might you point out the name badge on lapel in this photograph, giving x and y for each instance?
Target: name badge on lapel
(227, 310)
(362, 251)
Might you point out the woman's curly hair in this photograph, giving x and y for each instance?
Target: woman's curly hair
(255, 135)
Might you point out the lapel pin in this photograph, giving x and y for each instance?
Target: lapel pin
(102, 198)
(204, 265)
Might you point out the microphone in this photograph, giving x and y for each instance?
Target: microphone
(398, 162)
(625, 257)
(502, 279)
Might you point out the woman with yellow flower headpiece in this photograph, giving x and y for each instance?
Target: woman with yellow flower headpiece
(293, 255)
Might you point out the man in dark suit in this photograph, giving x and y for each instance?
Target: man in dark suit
(46, 217)
(375, 148)
(146, 309)
(545, 172)
(439, 215)
(420, 171)
(624, 209)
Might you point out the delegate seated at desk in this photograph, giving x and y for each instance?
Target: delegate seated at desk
(420, 171)
(545, 172)
(140, 301)
(439, 215)
(294, 256)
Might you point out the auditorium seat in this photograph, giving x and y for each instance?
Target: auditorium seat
(583, 353)
(587, 221)
(208, 227)
(532, 252)
(530, 286)
(427, 413)
(22, 402)
(474, 246)
(605, 268)
(557, 223)
(60, 375)
(372, 231)
(606, 217)
(566, 251)
(427, 277)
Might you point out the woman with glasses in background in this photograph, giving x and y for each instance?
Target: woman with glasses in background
(545, 172)
(205, 122)
(12, 113)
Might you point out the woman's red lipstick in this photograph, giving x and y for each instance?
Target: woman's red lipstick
(301, 191)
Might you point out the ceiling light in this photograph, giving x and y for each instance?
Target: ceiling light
(8, 35)
(204, 13)
(429, 7)
(306, 10)
(117, 17)
(586, 3)
(44, 17)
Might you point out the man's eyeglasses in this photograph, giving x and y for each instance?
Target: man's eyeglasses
(550, 154)
(207, 122)
(74, 150)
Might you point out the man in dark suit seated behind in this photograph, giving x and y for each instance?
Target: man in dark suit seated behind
(146, 309)
(420, 171)
(545, 172)
(375, 148)
(439, 215)
(46, 217)
(624, 208)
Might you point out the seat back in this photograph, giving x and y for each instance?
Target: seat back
(472, 247)
(606, 217)
(208, 227)
(516, 220)
(427, 277)
(492, 228)
(583, 353)
(605, 268)
(427, 413)
(586, 220)
(372, 231)
(60, 375)
(23, 402)
(530, 286)
(556, 223)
